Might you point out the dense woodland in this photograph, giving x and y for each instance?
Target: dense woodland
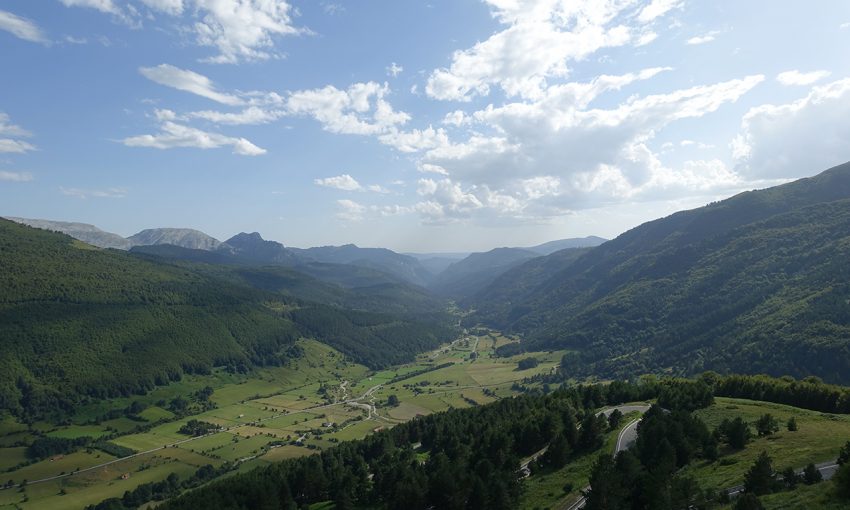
(78, 323)
(757, 283)
(468, 458)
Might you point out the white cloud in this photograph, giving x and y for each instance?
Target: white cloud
(172, 7)
(350, 210)
(658, 8)
(8, 145)
(359, 110)
(13, 144)
(240, 30)
(129, 15)
(94, 193)
(252, 115)
(416, 140)
(844, 26)
(394, 70)
(798, 138)
(796, 77)
(346, 182)
(22, 28)
(511, 58)
(9, 129)
(243, 29)
(428, 168)
(188, 81)
(15, 176)
(456, 118)
(177, 135)
(106, 6)
(343, 182)
(702, 39)
(332, 8)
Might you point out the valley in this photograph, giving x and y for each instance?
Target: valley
(270, 415)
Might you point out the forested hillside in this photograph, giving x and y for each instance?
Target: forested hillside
(77, 323)
(755, 283)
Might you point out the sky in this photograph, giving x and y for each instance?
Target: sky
(435, 125)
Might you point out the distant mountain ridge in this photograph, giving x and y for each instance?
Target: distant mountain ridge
(183, 237)
(81, 231)
(447, 274)
(468, 276)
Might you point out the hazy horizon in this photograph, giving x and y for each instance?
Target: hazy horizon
(446, 126)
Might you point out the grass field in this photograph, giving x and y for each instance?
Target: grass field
(818, 439)
(804, 497)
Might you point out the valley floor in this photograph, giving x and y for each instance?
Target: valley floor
(270, 415)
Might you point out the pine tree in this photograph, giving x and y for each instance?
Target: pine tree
(759, 479)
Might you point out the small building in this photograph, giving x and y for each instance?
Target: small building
(125, 476)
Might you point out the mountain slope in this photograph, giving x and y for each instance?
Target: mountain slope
(253, 248)
(381, 259)
(82, 231)
(753, 283)
(468, 276)
(183, 237)
(78, 323)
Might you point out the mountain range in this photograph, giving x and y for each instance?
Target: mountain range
(250, 248)
(755, 283)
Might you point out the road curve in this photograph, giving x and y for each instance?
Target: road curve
(625, 439)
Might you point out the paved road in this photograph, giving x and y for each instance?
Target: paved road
(827, 470)
(625, 440)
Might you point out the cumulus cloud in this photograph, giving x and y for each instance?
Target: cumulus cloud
(243, 29)
(173, 135)
(188, 81)
(94, 193)
(361, 109)
(240, 30)
(15, 176)
(22, 28)
(510, 59)
(798, 138)
(796, 77)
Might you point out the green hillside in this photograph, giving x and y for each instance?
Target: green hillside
(755, 283)
(78, 323)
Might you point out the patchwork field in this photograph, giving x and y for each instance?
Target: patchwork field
(303, 405)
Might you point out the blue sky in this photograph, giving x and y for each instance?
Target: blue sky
(440, 125)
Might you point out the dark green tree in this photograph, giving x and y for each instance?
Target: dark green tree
(790, 478)
(614, 419)
(811, 475)
(792, 424)
(748, 501)
(842, 481)
(759, 479)
(767, 425)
